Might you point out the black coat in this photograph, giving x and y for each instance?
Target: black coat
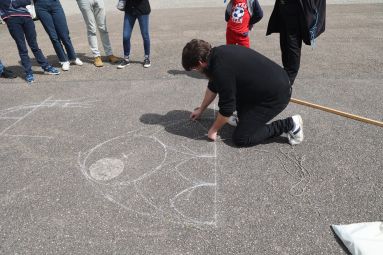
(312, 16)
(137, 7)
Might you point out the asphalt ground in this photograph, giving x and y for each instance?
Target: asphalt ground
(105, 161)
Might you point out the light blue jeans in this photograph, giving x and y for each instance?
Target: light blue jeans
(93, 12)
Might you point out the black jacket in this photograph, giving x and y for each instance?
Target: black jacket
(137, 7)
(243, 77)
(312, 15)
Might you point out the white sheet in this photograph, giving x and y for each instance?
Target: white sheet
(362, 238)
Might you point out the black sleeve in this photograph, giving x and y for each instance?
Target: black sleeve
(226, 88)
(227, 16)
(212, 87)
(4, 4)
(257, 13)
(20, 3)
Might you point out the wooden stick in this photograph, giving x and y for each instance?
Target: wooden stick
(331, 110)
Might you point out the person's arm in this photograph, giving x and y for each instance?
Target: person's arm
(208, 98)
(219, 122)
(20, 3)
(226, 81)
(257, 13)
(227, 16)
(4, 4)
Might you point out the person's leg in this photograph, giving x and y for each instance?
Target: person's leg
(253, 129)
(15, 27)
(143, 21)
(31, 36)
(1, 68)
(45, 13)
(129, 21)
(244, 40)
(87, 13)
(61, 26)
(290, 38)
(100, 16)
(230, 37)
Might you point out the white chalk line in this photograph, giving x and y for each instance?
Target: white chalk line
(189, 191)
(215, 176)
(23, 117)
(67, 103)
(82, 162)
(303, 175)
(29, 136)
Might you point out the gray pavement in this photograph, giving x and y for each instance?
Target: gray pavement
(105, 161)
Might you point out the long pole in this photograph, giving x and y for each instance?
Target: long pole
(337, 112)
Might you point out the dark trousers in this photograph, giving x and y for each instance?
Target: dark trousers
(1, 68)
(143, 21)
(52, 16)
(252, 127)
(21, 29)
(290, 37)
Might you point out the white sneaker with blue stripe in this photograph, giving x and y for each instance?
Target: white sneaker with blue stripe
(296, 136)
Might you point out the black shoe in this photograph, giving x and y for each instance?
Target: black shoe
(147, 62)
(8, 74)
(123, 63)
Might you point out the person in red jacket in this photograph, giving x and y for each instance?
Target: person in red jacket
(240, 16)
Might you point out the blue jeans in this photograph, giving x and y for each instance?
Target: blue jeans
(52, 16)
(129, 21)
(1, 68)
(22, 28)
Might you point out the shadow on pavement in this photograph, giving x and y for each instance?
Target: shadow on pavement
(169, 120)
(175, 116)
(192, 74)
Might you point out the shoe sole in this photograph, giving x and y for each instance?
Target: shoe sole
(52, 73)
(146, 66)
(293, 141)
(122, 67)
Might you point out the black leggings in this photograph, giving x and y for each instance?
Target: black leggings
(290, 38)
(252, 128)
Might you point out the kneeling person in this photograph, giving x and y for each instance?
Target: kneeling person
(248, 82)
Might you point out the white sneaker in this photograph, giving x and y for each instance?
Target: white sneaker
(77, 62)
(233, 120)
(65, 66)
(295, 136)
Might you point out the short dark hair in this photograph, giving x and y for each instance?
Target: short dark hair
(194, 51)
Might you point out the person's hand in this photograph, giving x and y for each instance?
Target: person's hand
(196, 113)
(212, 134)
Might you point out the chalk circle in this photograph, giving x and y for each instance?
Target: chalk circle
(106, 169)
(123, 160)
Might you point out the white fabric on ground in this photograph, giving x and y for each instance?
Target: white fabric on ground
(362, 238)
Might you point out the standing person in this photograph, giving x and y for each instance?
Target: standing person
(52, 16)
(296, 21)
(21, 27)
(94, 15)
(5, 73)
(241, 15)
(248, 82)
(136, 10)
